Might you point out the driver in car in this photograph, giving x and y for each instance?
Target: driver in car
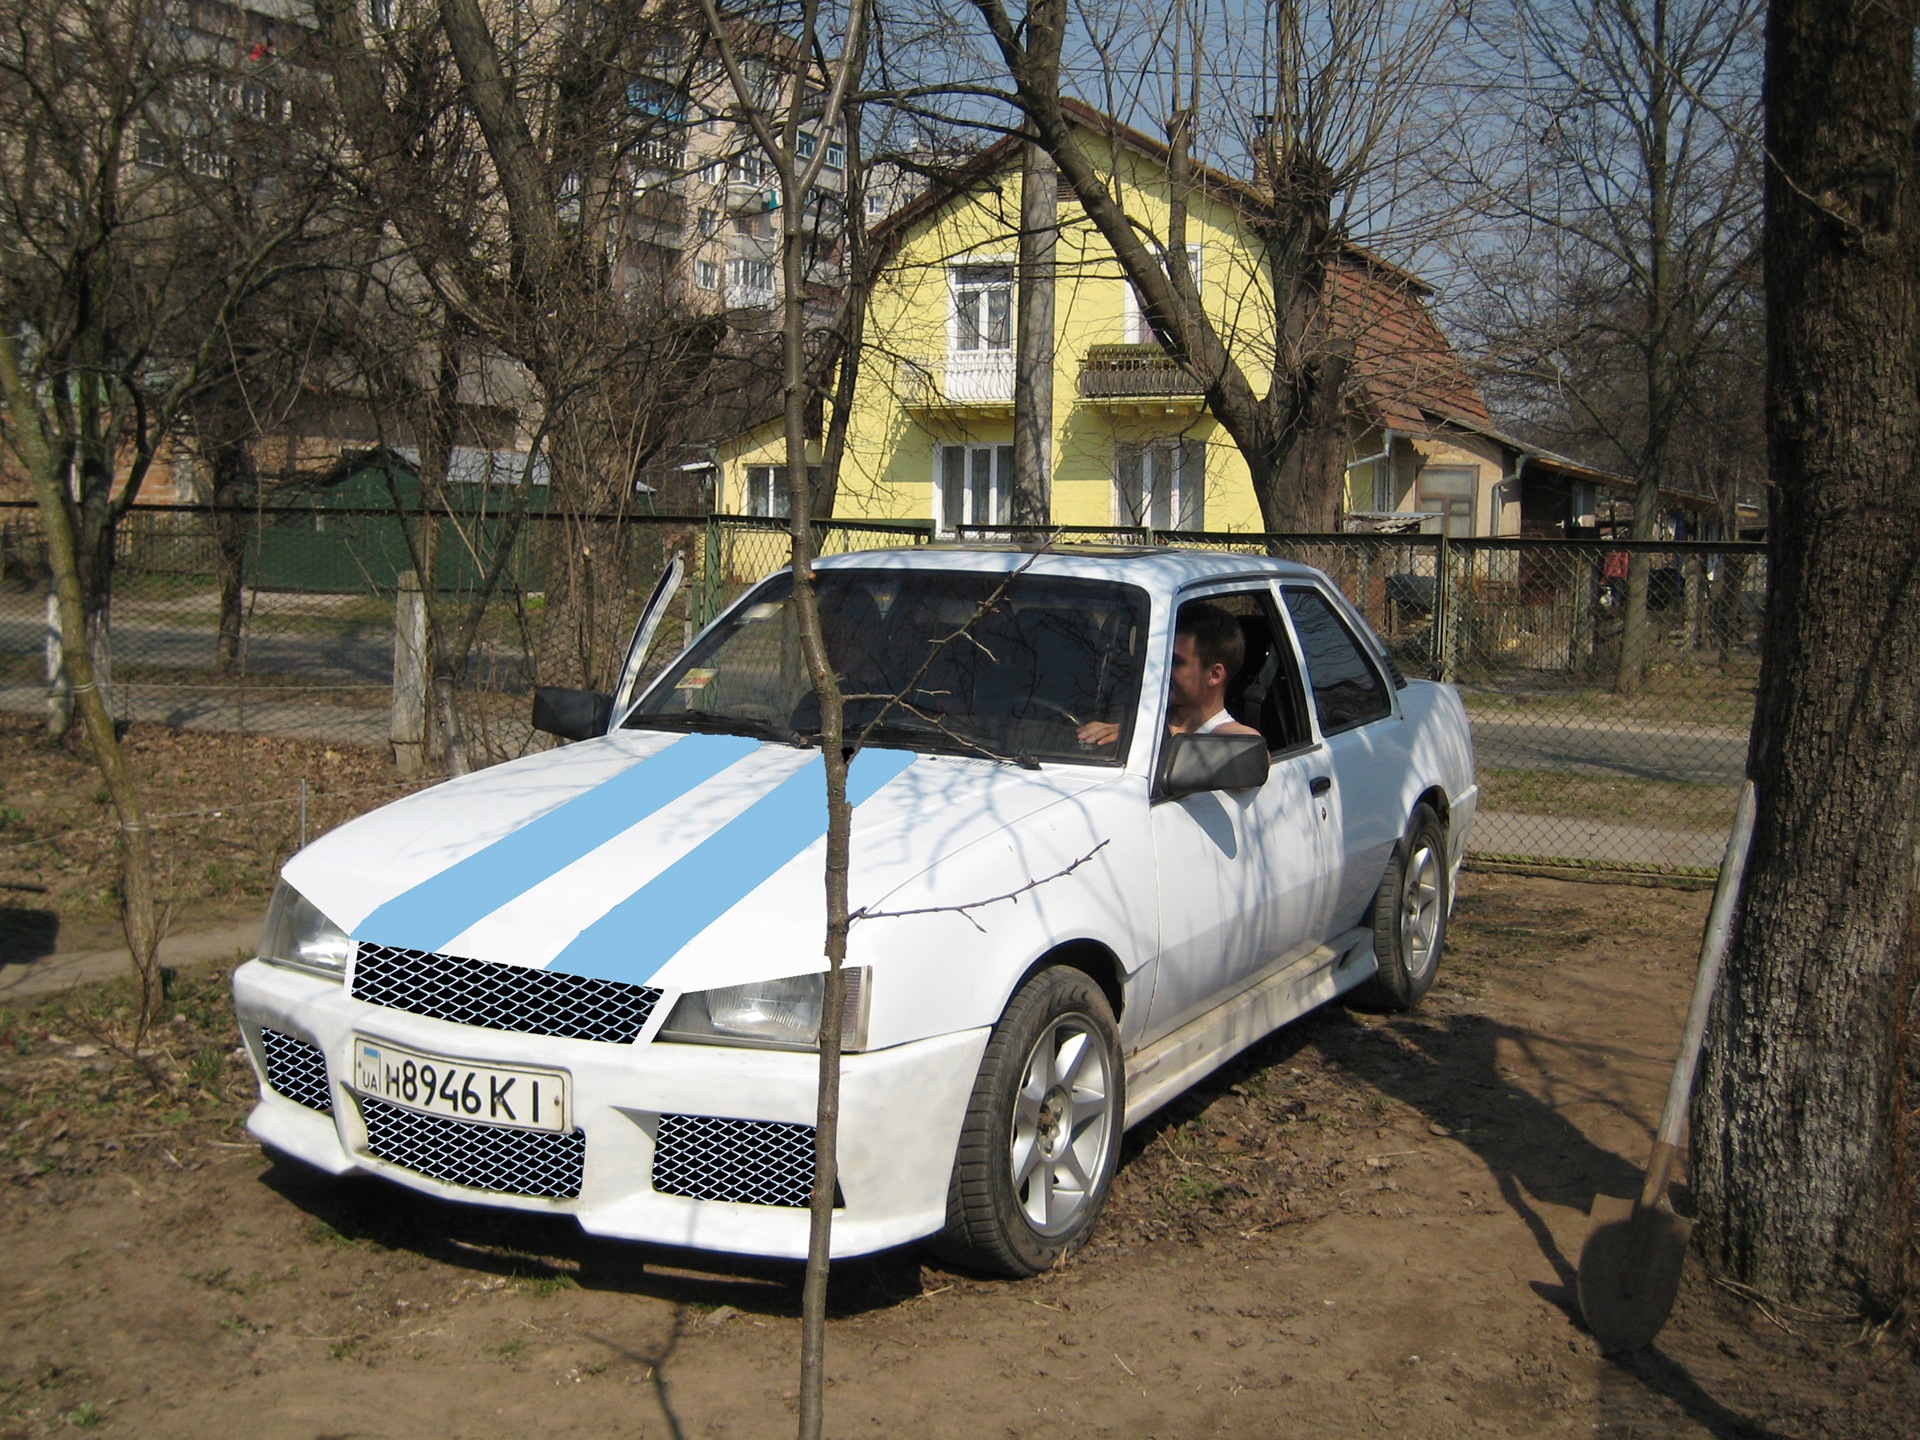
(1208, 650)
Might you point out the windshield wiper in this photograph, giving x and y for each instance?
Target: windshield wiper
(927, 736)
(714, 722)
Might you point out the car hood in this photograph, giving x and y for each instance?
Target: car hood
(615, 858)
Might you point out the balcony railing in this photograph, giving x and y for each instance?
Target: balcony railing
(957, 377)
(1121, 372)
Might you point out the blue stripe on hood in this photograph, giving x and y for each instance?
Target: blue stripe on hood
(467, 891)
(639, 935)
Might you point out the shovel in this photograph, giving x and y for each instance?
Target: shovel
(1630, 1263)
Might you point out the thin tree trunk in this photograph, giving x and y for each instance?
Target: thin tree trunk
(1801, 1119)
(235, 482)
(140, 911)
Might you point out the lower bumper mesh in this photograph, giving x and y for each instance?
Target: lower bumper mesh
(480, 1157)
(297, 1070)
(754, 1162)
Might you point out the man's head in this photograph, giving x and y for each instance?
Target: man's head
(1208, 650)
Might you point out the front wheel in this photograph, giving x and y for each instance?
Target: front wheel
(1410, 916)
(1041, 1138)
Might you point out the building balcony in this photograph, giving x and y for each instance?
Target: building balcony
(957, 379)
(1134, 374)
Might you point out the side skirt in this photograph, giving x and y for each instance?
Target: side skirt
(1175, 1062)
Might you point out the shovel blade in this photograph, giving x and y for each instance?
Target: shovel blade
(1630, 1271)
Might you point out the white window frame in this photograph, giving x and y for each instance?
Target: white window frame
(967, 465)
(767, 492)
(1172, 484)
(976, 281)
(1133, 317)
(706, 274)
(743, 273)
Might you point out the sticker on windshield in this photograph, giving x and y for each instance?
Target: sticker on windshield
(765, 610)
(696, 679)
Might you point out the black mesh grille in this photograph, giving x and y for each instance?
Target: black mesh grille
(501, 997)
(757, 1162)
(480, 1157)
(297, 1070)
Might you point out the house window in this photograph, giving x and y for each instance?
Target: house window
(973, 485)
(768, 492)
(1447, 492)
(982, 307)
(836, 155)
(750, 282)
(714, 172)
(1161, 484)
(706, 274)
(1137, 331)
(804, 144)
(876, 201)
(380, 14)
(709, 222)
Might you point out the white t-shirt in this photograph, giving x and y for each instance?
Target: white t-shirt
(1213, 722)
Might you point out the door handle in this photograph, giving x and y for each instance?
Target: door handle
(1320, 784)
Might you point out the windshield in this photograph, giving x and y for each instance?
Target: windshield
(1004, 666)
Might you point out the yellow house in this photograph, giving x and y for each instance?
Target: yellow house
(1133, 444)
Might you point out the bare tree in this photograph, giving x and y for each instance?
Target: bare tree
(505, 163)
(134, 238)
(1631, 184)
(1324, 129)
(1803, 1121)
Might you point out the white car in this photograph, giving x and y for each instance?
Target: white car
(589, 981)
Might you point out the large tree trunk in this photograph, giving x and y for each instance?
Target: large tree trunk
(1797, 1136)
(1033, 358)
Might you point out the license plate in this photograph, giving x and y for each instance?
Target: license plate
(460, 1089)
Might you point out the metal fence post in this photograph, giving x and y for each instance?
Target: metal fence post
(710, 576)
(1443, 610)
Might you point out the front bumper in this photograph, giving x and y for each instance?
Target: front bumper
(900, 1115)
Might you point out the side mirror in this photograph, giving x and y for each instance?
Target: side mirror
(1192, 763)
(571, 714)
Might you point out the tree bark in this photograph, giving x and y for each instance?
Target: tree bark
(1034, 348)
(235, 485)
(1798, 1146)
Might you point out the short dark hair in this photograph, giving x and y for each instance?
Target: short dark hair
(1216, 635)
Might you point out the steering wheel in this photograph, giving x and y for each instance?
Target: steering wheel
(1041, 702)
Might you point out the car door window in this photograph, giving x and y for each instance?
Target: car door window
(1264, 691)
(1347, 688)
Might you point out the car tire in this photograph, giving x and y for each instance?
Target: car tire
(1042, 1132)
(1410, 917)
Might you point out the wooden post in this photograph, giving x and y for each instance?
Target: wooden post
(409, 675)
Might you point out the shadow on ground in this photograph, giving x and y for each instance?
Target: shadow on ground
(27, 934)
(533, 1247)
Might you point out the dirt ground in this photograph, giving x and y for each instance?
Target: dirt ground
(1367, 1225)
(225, 811)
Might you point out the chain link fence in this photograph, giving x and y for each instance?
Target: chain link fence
(285, 622)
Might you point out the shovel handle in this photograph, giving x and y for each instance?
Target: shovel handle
(1713, 950)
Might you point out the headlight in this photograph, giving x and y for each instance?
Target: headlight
(298, 936)
(779, 1014)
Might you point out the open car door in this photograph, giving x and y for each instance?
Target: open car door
(664, 590)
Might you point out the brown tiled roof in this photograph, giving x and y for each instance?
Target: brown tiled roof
(1406, 374)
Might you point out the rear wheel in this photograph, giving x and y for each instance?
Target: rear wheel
(1041, 1138)
(1410, 916)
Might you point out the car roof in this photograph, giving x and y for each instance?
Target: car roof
(1160, 568)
